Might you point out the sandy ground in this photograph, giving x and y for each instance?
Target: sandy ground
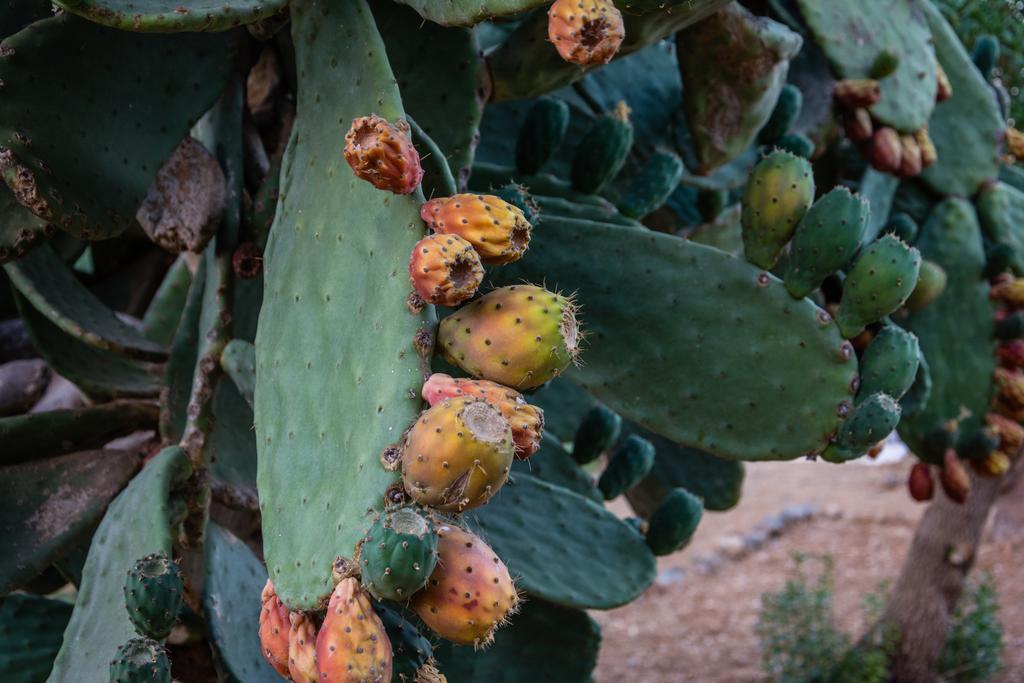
(698, 626)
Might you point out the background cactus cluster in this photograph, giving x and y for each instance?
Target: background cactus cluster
(370, 306)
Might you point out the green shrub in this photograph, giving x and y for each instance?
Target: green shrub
(973, 649)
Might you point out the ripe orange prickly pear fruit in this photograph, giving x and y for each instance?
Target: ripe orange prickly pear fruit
(382, 154)
(885, 151)
(920, 483)
(857, 125)
(470, 593)
(585, 31)
(929, 155)
(302, 649)
(995, 464)
(274, 628)
(943, 88)
(1010, 386)
(444, 270)
(1009, 432)
(855, 93)
(1011, 354)
(954, 478)
(497, 230)
(457, 454)
(352, 646)
(520, 336)
(910, 157)
(1009, 291)
(527, 421)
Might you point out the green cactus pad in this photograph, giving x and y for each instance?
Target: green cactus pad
(239, 361)
(490, 175)
(234, 441)
(543, 643)
(181, 363)
(985, 54)
(650, 187)
(20, 229)
(826, 239)
(602, 151)
(173, 16)
(234, 579)
(872, 420)
(903, 226)
(164, 311)
(52, 502)
(879, 189)
(955, 331)
(31, 628)
(468, 12)
(854, 34)
(140, 660)
(41, 435)
(564, 404)
(796, 144)
(409, 648)
(398, 554)
(751, 57)
(674, 521)
(878, 283)
(137, 523)
(152, 595)
(588, 558)
(557, 206)
(443, 89)
(1001, 210)
(327, 403)
(53, 290)
(778, 194)
(628, 464)
(553, 464)
(90, 182)
(784, 114)
(889, 365)
(598, 430)
(778, 396)
(968, 127)
(542, 132)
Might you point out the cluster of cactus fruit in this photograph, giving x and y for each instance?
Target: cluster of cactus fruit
(784, 243)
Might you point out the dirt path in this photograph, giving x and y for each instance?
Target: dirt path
(696, 625)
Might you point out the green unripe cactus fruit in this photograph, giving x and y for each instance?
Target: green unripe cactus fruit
(889, 364)
(516, 195)
(152, 595)
(140, 660)
(870, 422)
(931, 282)
(596, 433)
(602, 151)
(541, 133)
(649, 189)
(778, 194)
(786, 111)
(410, 650)
(879, 282)
(985, 54)
(398, 554)
(903, 226)
(520, 336)
(826, 239)
(885, 65)
(673, 523)
(628, 465)
(796, 144)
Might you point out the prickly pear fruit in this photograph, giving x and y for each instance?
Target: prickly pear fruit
(444, 270)
(302, 649)
(457, 454)
(885, 65)
(596, 433)
(672, 525)
(140, 660)
(409, 648)
(585, 31)
(541, 133)
(985, 54)
(778, 194)
(943, 88)
(784, 114)
(853, 93)
(275, 627)
(1011, 354)
(398, 554)
(631, 461)
(931, 283)
(910, 157)
(527, 421)
(352, 646)
(649, 188)
(879, 282)
(520, 336)
(889, 365)
(870, 422)
(470, 593)
(516, 195)
(929, 155)
(954, 478)
(857, 125)
(382, 154)
(826, 239)
(152, 594)
(995, 464)
(920, 482)
(497, 230)
(1010, 389)
(1010, 292)
(602, 151)
(885, 151)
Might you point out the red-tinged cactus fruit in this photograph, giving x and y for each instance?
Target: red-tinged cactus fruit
(585, 31)
(1009, 432)
(856, 93)
(497, 230)
(857, 125)
(929, 155)
(352, 646)
(943, 88)
(1010, 354)
(274, 629)
(444, 270)
(1009, 291)
(920, 482)
(995, 464)
(382, 154)
(470, 593)
(302, 649)
(527, 421)
(885, 150)
(457, 454)
(954, 478)
(1014, 140)
(910, 157)
(520, 336)
(1010, 388)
